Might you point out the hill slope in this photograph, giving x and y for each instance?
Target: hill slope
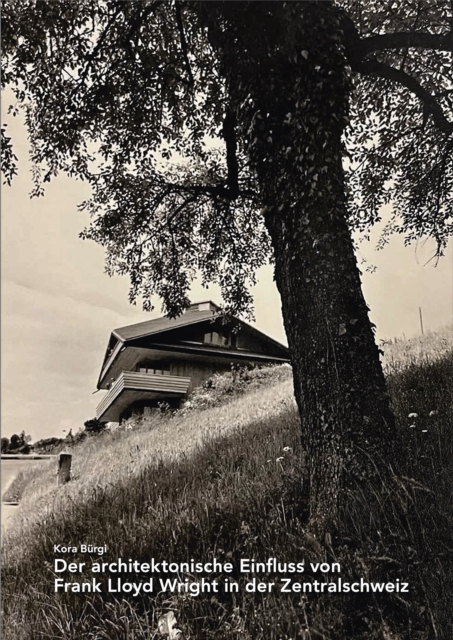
(227, 482)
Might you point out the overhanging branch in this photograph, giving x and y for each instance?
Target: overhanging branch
(430, 104)
(407, 40)
(357, 50)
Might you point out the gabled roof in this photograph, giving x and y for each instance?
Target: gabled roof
(157, 325)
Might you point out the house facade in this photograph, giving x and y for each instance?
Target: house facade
(164, 359)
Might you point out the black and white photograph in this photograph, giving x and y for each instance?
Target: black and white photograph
(227, 320)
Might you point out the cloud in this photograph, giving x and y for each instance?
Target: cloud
(53, 347)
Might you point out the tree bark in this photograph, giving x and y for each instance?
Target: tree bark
(289, 84)
(348, 427)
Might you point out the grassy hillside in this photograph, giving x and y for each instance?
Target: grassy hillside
(224, 478)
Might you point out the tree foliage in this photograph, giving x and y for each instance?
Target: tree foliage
(132, 97)
(401, 134)
(94, 426)
(5, 445)
(17, 442)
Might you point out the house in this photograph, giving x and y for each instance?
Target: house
(164, 359)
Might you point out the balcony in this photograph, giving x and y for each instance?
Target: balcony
(132, 386)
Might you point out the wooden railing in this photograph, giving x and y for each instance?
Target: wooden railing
(135, 381)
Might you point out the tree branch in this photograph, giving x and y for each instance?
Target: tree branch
(183, 43)
(217, 191)
(430, 104)
(408, 39)
(93, 55)
(358, 48)
(229, 135)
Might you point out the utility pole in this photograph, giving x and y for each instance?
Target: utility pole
(421, 320)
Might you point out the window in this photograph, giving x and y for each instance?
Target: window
(226, 339)
(211, 338)
(155, 368)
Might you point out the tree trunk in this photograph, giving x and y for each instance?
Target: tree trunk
(288, 83)
(348, 428)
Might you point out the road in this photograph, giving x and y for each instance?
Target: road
(10, 469)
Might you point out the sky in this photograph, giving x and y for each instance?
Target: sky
(59, 307)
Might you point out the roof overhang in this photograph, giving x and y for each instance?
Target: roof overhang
(212, 352)
(109, 360)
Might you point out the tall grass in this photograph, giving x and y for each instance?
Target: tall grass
(401, 354)
(229, 482)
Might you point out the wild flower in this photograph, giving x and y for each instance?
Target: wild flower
(412, 426)
(413, 415)
(432, 413)
(287, 449)
(280, 459)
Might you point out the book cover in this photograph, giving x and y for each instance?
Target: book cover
(226, 320)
